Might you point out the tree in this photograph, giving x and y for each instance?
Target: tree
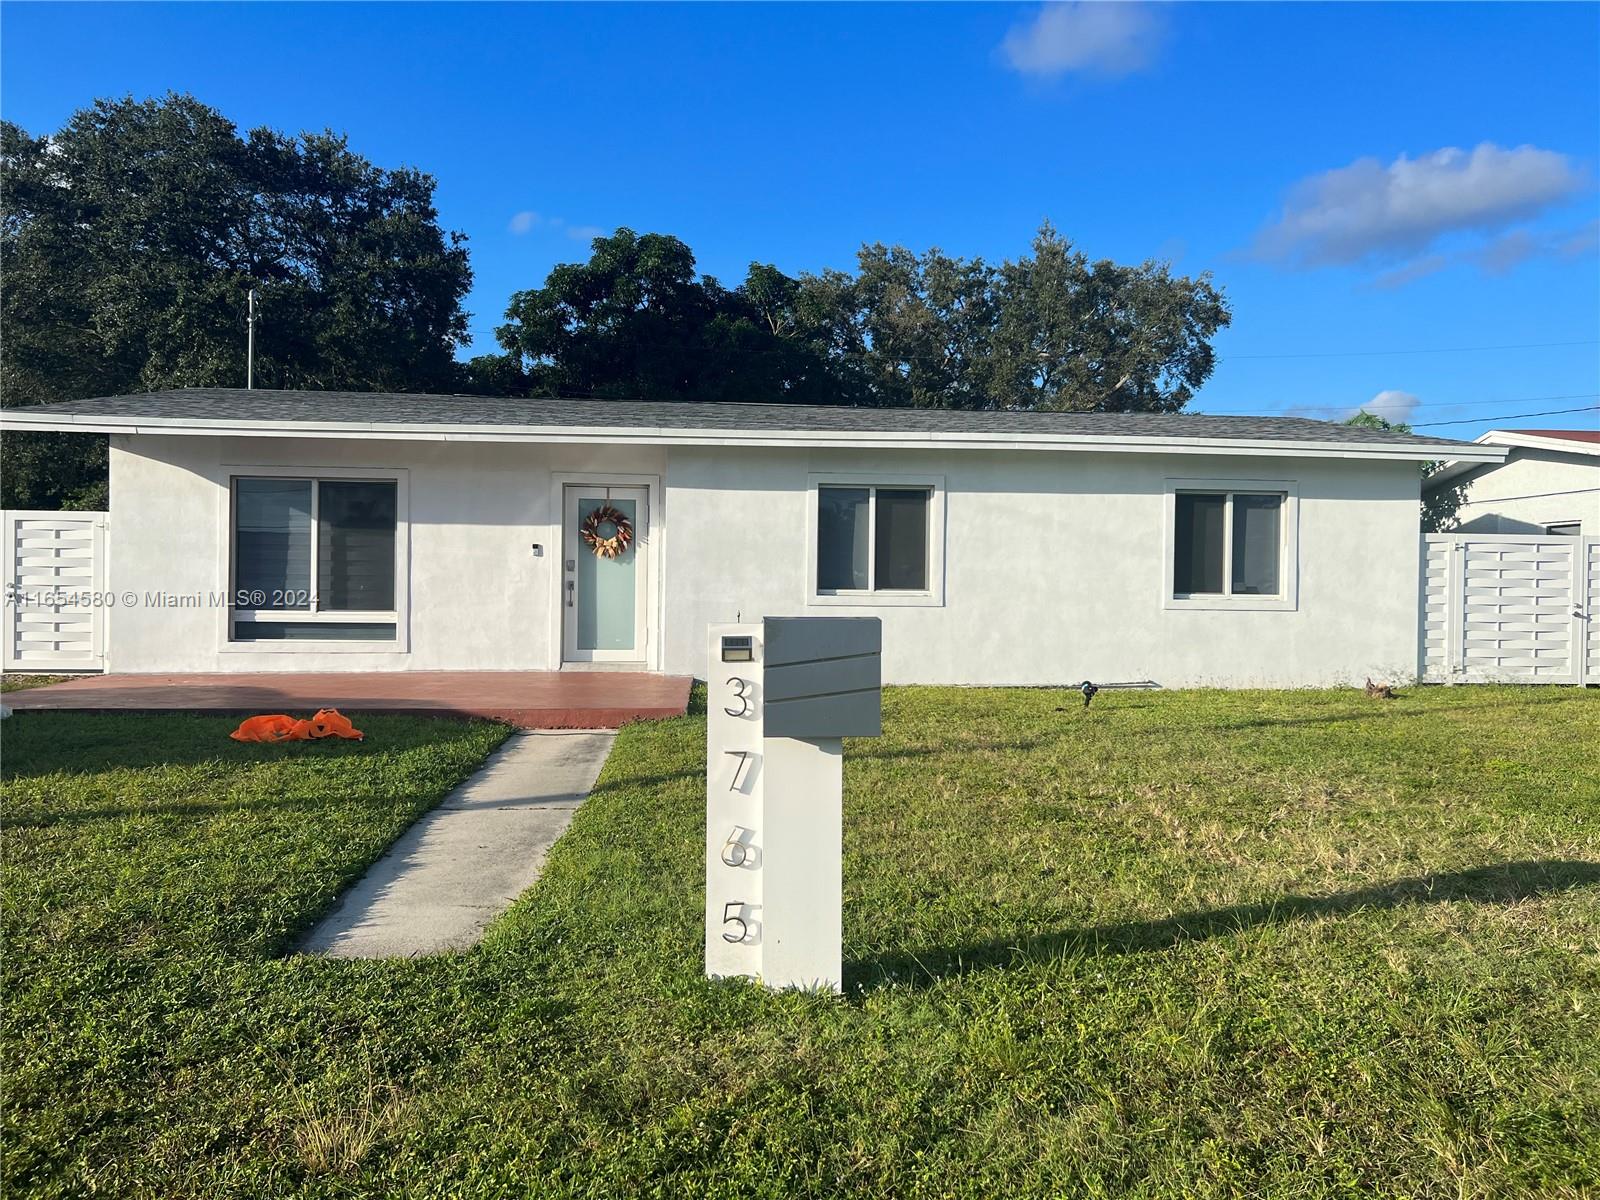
(637, 322)
(627, 324)
(1439, 509)
(132, 235)
(768, 342)
(912, 330)
(1100, 337)
(1050, 330)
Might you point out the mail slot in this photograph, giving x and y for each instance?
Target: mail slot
(823, 677)
(738, 649)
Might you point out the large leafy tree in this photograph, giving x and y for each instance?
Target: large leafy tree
(1100, 336)
(132, 235)
(637, 322)
(1051, 330)
(913, 330)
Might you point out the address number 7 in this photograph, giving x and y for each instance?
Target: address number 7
(741, 769)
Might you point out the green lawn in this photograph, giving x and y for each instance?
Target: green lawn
(1184, 944)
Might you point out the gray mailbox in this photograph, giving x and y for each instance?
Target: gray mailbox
(823, 676)
(780, 696)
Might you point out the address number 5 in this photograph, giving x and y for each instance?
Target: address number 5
(730, 916)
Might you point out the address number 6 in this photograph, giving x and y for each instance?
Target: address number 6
(735, 852)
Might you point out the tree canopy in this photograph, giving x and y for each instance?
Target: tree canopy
(132, 235)
(1050, 330)
(637, 322)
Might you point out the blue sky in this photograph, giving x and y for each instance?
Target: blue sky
(1358, 178)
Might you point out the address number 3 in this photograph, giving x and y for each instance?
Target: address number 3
(741, 693)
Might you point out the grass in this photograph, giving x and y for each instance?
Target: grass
(1184, 944)
(18, 683)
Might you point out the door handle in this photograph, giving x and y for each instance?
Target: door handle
(569, 593)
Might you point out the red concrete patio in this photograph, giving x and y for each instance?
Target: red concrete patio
(529, 699)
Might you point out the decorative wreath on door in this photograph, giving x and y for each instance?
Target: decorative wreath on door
(605, 545)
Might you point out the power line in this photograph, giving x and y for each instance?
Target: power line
(1315, 353)
(1434, 350)
(492, 331)
(1549, 412)
(1531, 496)
(1432, 403)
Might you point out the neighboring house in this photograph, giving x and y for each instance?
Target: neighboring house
(1548, 484)
(275, 530)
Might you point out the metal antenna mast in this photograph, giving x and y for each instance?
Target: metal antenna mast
(250, 352)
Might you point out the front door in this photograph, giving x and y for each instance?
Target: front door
(606, 535)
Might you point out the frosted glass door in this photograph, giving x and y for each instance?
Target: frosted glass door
(604, 595)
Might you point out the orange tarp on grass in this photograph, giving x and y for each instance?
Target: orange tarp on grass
(329, 722)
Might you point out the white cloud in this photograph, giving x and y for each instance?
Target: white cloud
(1508, 251)
(527, 221)
(1432, 264)
(1501, 255)
(1108, 37)
(1580, 243)
(1390, 404)
(1371, 212)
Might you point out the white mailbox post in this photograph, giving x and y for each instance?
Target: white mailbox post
(780, 696)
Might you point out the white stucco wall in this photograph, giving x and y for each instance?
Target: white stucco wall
(1533, 489)
(1055, 568)
(479, 598)
(1054, 564)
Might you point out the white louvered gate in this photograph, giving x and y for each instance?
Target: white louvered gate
(54, 587)
(1591, 650)
(1509, 608)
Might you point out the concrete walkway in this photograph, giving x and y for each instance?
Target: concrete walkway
(463, 863)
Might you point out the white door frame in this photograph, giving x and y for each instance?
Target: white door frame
(647, 545)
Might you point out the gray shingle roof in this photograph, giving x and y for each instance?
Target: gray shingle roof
(389, 408)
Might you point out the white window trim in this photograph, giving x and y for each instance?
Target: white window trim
(1289, 549)
(930, 597)
(400, 615)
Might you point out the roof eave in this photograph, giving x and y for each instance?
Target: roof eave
(644, 435)
(1514, 439)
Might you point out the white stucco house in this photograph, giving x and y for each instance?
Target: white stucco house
(1549, 483)
(272, 531)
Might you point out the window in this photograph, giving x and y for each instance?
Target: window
(314, 559)
(1231, 544)
(1227, 544)
(874, 541)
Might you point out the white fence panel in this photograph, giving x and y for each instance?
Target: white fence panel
(1437, 590)
(55, 574)
(1505, 608)
(1591, 553)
